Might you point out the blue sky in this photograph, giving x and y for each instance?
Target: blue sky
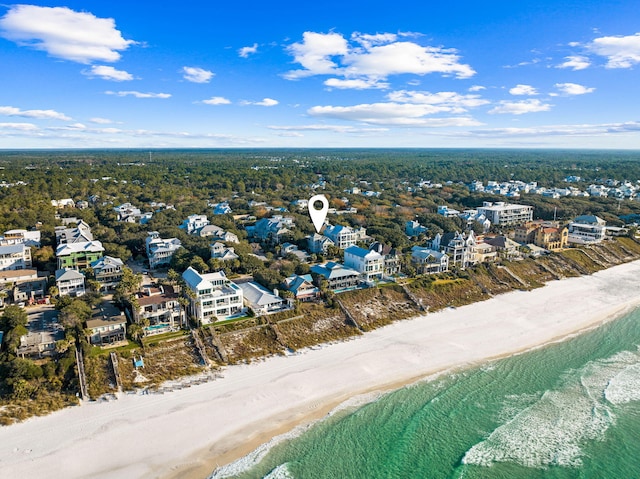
(332, 74)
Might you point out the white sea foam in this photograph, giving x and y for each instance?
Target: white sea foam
(550, 431)
(252, 459)
(624, 387)
(280, 472)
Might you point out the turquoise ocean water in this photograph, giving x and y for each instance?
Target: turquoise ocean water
(567, 410)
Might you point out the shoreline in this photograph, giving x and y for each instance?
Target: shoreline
(229, 457)
(187, 433)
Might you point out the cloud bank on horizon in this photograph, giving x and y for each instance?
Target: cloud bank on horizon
(196, 78)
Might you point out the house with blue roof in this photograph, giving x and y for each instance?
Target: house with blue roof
(302, 287)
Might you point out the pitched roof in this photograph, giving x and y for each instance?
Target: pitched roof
(259, 295)
(83, 247)
(68, 275)
(333, 270)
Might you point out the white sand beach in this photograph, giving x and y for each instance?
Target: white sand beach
(188, 432)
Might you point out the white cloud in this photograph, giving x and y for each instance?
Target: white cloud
(18, 126)
(367, 40)
(356, 84)
(244, 52)
(575, 62)
(573, 89)
(64, 33)
(217, 100)
(477, 88)
(263, 102)
(38, 114)
(371, 58)
(197, 75)
(334, 128)
(523, 90)
(406, 57)
(100, 121)
(138, 94)
(108, 73)
(392, 114)
(314, 54)
(620, 51)
(520, 107)
(447, 101)
(589, 130)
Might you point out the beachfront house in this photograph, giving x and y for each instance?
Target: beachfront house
(337, 276)
(107, 326)
(261, 300)
(370, 264)
(302, 287)
(459, 247)
(428, 261)
(586, 229)
(159, 308)
(392, 258)
(212, 296)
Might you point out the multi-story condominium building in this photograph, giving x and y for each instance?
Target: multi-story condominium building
(160, 251)
(214, 297)
(160, 307)
(29, 238)
(428, 261)
(16, 256)
(107, 271)
(370, 264)
(79, 255)
(70, 282)
(501, 213)
(338, 277)
(194, 223)
(586, 229)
